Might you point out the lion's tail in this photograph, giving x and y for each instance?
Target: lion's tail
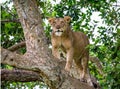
(98, 64)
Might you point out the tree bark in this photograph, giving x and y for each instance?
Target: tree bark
(17, 46)
(38, 57)
(18, 75)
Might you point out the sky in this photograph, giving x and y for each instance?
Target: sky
(2, 1)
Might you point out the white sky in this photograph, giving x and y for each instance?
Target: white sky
(2, 1)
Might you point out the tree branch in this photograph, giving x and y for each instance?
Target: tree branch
(16, 60)
(51, 71)
(98, 64)
(10, 20)
(17, 46)
(19, 76)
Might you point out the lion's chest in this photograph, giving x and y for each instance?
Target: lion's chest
(61, 42)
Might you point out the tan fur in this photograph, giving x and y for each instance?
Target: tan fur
(74, 44)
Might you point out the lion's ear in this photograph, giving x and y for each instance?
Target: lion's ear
(51, 20)
(67, 19)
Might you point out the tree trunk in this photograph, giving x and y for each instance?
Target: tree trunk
(38, 57)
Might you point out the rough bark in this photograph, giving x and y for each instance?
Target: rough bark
(38, 57)
(18, 75)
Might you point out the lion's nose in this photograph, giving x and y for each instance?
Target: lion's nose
(58, 26)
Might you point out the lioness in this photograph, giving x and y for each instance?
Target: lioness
(74, 44)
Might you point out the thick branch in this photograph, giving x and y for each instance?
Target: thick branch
(17, 46)
(16, 60)
(19, 76)
(53, 75)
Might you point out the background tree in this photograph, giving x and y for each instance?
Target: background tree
(105, 38)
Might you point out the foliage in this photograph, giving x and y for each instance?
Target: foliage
(11, 32)
(104, 37)
(27, 85)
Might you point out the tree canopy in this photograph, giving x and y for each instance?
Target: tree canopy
(104, 34)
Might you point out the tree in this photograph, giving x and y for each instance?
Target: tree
(38, 58)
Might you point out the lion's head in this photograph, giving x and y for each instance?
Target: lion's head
(59, 25)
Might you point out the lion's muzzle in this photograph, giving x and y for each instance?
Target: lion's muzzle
(58, 32)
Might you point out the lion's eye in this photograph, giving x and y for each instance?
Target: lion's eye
(54, 22)
(62, 21)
